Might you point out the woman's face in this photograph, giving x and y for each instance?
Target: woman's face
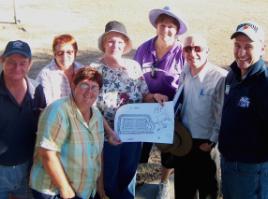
(64, 55)
(166, 30)
(114, 44)
(86, 92)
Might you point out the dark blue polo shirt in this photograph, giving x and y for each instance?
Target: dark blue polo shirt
(18, 123)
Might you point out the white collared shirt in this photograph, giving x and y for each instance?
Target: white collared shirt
(203, 100)
(55, 83)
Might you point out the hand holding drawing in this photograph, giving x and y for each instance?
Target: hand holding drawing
(110, 134)
(160, 98)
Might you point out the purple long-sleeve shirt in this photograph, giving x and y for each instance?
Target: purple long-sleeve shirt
(162, 76)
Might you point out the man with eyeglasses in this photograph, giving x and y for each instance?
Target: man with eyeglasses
(203, 85)
(244, 126)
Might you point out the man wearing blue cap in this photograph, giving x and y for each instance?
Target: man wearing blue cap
(20, 103)
(244, 127)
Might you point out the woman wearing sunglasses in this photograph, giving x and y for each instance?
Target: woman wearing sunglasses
(162, 61)
(57, 75)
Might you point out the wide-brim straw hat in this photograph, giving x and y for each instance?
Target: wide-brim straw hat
(115, 26)
(154, 14)
(182, 141)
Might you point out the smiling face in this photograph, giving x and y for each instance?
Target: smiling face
(16, 67)
(167, 28)
(86, 92)
(246, 52)
(195, 51)
(64, 55)
(114, 44)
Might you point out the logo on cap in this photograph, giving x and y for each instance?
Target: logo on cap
(17, 44)
(245, 26)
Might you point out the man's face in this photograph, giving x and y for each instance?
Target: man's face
(195, 51)
(16, 67)
(246, 52)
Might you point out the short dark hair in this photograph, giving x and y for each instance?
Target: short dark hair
(88, 73)
(162, 17)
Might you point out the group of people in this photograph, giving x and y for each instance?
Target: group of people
(57, 136)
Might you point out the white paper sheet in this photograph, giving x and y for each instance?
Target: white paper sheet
(145, 122)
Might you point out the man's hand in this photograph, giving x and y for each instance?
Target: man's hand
(206, 147)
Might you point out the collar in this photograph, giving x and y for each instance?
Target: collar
(153, 50)
(53, 66)
(254, 69)
(4, 90)
(79, 116)
(201, 75)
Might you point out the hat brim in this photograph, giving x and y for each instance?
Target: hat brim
(182, 141)
(154, 14)
(12, 52)
(234, 35)
(128, 43)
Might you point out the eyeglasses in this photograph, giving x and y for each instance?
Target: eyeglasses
(189, 49)
(61, 52)
(87, 87)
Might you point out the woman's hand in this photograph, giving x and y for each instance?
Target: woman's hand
(110, 134)
(67, 192)
(113, 139)
(100, 189)
(157, 97)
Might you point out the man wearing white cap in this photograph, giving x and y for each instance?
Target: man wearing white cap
(244, 126)
(161, 61)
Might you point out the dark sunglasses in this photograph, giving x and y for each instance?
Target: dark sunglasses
(189, 49)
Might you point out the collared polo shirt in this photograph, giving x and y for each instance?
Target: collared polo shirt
(62, 128)
(18, 124)
(203, 101)
(167, 70)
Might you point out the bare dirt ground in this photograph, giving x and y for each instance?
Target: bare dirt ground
(39, 21)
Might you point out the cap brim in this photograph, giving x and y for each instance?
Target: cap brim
(16, 52)
(127, 48)
(251, 37)
(153, 15)
(182, 141)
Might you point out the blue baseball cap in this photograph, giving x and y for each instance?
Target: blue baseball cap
(17, 47)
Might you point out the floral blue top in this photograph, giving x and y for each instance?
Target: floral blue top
(120, 86)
